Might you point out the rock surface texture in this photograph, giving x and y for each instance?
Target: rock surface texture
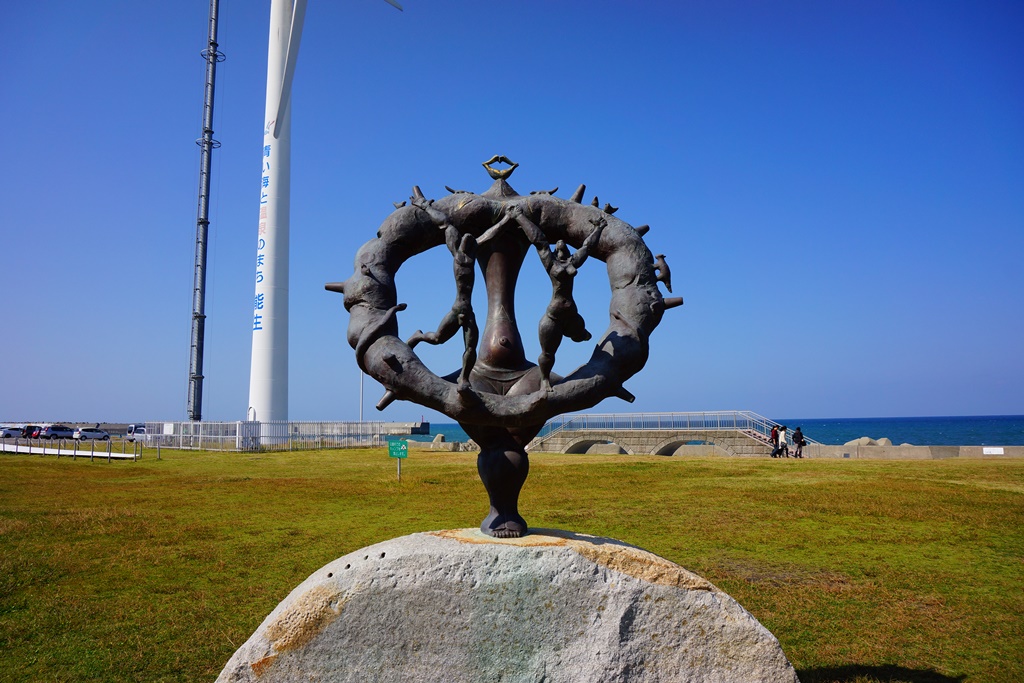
(551, 606)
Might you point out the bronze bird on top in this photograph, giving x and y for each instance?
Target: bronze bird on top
(664, 274)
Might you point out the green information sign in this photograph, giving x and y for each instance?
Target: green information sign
(398, 449)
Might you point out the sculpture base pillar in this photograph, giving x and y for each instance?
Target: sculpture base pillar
(552, 605)
(503, 470)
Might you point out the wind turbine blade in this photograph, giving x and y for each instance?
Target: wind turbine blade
(294, 38)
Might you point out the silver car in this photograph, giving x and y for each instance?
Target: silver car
(10, 433)
(83, 433)
(56, 432)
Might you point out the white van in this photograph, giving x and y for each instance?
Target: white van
(136, 431)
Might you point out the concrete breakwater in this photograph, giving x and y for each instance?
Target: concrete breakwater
(742, 443)
(735, 447)
(907, 452)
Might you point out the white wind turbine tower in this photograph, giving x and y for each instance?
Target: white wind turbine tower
(268, 374)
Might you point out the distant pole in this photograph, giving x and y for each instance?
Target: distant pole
(206, 145)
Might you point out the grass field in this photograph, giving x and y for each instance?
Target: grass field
(158, 570)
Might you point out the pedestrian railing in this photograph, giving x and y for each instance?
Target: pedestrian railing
(754, 425)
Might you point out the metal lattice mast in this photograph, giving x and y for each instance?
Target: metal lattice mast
(206, 145)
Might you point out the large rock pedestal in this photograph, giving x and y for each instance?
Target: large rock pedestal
(552, 606)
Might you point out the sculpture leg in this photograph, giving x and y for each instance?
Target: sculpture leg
(469, 336)
(550, 334)
(445, 331)
(503, 466)
(577, 329)
(546, 361)
(416, 338)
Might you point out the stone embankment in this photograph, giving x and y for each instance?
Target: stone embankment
(439, 444)
(859, 449)
(736, 443)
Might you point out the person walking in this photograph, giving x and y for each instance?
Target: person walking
(781, 448)
(800, 442)
(775, 440)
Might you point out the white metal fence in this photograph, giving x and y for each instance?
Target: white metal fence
(245, 435)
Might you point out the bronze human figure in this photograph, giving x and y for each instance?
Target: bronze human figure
(562, 318)
(501, 399)
(461, 314)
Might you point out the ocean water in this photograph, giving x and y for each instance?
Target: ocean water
(992, 430)
(984, 430)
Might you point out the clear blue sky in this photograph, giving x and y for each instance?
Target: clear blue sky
(838, 187)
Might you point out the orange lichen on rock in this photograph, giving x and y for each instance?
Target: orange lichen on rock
(260, 667)
(306, 617)
(532, 539)
(641, 564)
(605, 552)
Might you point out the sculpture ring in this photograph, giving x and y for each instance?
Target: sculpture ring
(371, 298)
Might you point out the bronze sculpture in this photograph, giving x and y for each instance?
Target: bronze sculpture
(561, 319)
(498, 397)
(461, 315)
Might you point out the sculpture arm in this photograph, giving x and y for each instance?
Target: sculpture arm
(440, 219)
(451, 238)
(547, 256)
(493, 231)
(427, 206)
(581, 254)
(533, 233)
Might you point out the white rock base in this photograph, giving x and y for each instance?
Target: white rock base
(550, 607)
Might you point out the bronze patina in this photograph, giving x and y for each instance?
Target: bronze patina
(500, 398)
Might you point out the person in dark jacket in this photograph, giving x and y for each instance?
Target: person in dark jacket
(798, 439)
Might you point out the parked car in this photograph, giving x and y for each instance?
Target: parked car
(56, 432)
(135, 431)
(10, 433)
(31, 431)
(83, 433)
